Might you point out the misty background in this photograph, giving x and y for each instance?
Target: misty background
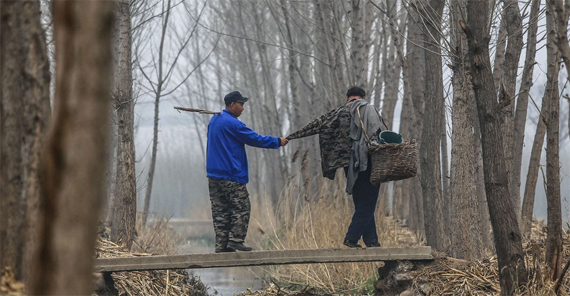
(180, 187)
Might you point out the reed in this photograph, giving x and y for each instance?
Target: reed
(317, 221)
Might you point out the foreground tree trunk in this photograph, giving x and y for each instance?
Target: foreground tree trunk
(76, 156)
(508, 243)
(24, 109)
(125, 206)
(554, 210)
(11, 127)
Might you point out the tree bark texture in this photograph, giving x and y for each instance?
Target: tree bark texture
(466, 229)
(507, 90)
(561, 11)
(445, 173)
(481, 192)
(358, 50)
(430, 156)
(12, 210)
(521, 114)
(73, 169)
(416, 61)
(24, 112)
(508, 243)
(500, 50)
(534, 164)
(554, 209)
(125, 193)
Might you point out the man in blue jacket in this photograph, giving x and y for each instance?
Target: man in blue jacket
(227, 172)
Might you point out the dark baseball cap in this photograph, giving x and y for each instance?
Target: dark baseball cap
(355, 91)
(235, 96)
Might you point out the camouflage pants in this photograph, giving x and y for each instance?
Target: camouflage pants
(230, 211)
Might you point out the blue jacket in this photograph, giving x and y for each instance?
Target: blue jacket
(226, 158)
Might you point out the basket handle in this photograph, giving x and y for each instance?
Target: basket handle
(363, 128)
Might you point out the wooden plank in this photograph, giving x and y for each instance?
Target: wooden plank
(256, 258)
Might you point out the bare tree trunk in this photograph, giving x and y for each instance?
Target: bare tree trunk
(500, 50)
(416, 61)
(503, 218)
(358, 52)
(12, 203)
(561, 11)
(466, 233)
(323, 13)
(521, 113)
(507, 90)
(24, 107)
(76, 156)
(533, 165)
(393, 69)
(430, 157)
(125, 201)
(271, 119)
(393, 62)
(445, 175)
(553, 248)
(166, 15)
(480, 172)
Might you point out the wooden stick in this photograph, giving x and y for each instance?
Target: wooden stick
(201, 111)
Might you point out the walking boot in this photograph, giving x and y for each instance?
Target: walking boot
(239, 246)
(351, 244)
(374, 245)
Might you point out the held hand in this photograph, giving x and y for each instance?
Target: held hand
(283, 141)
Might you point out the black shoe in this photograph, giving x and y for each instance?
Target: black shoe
(351, 244)
(226, 250)
(239, 246)
(374, 245)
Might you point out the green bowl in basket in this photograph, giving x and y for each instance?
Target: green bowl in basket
(390, 137)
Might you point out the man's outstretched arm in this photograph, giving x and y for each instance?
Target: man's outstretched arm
(251, 138)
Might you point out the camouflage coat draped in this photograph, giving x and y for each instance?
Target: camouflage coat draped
(333, 129)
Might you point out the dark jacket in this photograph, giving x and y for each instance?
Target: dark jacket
(333, 129)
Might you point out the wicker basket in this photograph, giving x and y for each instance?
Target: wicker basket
(392, 162)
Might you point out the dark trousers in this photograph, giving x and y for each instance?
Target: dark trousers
(365, 196)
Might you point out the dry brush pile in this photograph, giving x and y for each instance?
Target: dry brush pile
(449, 276)
(156, 238)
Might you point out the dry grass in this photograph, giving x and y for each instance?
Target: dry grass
(158, 237)
(450, 276)
(9, 285)
(318, 222)
(157, 282)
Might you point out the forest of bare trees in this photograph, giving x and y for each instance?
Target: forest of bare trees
(89, 138)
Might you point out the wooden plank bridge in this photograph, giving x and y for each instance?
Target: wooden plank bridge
(257, 258)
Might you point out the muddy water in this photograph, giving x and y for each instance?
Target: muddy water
(226, 281)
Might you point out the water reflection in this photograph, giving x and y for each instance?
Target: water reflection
(223, 281)
(228, 281)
